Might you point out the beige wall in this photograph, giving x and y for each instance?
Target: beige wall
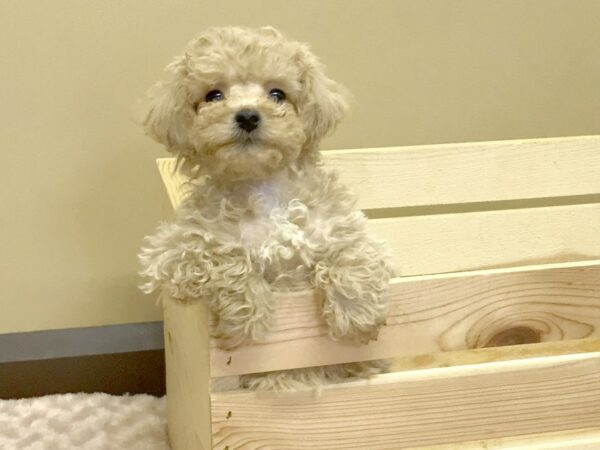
(79, 186)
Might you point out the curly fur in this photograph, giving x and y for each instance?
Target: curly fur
(263, 215)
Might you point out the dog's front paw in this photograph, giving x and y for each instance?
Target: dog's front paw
(242, 318)
(231, 332)
(354, 320)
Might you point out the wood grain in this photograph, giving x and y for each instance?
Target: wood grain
(494, 354)
(470, 241)
(188, 375)
(470, 172)
(417, 408)
(435, 313)
(578, 439)
(458, 173)
(174, 180)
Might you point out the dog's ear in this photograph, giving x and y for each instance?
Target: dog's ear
(166, 112)
(325, 102)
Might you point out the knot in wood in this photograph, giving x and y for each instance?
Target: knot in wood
(515, 336)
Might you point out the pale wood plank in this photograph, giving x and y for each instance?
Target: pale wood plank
(470, 241)
(417, 408)
(173, 179)
(457, 173)
(188, 375)
(435, 313)
(470, 172)
(491, 354)
(579, 439)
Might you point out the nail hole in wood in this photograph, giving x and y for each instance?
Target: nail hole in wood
(228, 416)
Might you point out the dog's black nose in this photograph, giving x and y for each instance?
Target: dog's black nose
(247, 119)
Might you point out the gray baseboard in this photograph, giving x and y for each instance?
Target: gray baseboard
(77, 342)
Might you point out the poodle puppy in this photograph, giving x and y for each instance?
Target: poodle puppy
(244, 111)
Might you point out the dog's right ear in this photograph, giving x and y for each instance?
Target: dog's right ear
(166, 112)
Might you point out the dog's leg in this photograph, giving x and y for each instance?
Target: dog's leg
(190, 268)
(354, 280)
(242, 310)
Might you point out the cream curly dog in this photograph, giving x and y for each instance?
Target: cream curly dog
(244, 111)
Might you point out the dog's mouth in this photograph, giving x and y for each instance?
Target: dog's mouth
(237, 141)
(248, 140)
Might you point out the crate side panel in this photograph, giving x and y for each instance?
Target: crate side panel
(435, 314)
(417, 408)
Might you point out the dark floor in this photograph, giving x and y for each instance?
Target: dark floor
(118, 373)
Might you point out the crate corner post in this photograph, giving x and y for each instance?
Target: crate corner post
(188, 374)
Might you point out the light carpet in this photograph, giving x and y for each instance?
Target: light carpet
(84, 421)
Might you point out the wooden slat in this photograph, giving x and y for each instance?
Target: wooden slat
(173, 180)
(494, 354)
(579, 439)
(457, 173)
(188, 375)
(417, 408)
(472, 172)
(470, 241)
(435, 313)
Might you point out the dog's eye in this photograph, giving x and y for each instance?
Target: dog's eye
(214, 96)
(277, 94)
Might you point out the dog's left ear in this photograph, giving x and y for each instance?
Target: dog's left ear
(325, 102)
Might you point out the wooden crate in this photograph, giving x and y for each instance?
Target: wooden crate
(494, 326)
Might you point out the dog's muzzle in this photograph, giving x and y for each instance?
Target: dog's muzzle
(247, 119)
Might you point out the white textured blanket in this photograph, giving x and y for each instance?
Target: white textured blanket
(83, 421)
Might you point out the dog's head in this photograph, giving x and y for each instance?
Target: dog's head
(244, 103)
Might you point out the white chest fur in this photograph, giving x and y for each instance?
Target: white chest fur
(277, 236)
